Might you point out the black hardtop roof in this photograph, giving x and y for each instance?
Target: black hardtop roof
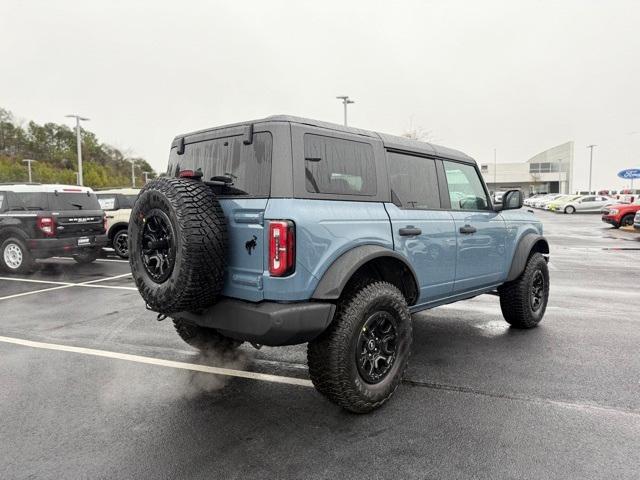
(389, 141)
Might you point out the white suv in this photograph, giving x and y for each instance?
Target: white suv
(117, 204)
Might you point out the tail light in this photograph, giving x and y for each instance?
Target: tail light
(47, 225)
(282, 244)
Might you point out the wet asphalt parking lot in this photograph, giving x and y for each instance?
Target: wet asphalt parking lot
(92, 386)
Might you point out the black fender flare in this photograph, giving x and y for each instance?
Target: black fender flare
(526, 244)
(117, 227)
(335, 278)
(12, 230)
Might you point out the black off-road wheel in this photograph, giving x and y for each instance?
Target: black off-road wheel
(524, 300)
(120, 243)
(15, 257)
(86, 255)
(177, 245)
(205, 339)
(359, 361)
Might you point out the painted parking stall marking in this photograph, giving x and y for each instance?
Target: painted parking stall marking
(160, 362)
(62, 285)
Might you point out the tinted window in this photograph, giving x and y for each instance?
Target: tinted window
(249, 166)
(414, 181)
(340, 167)
(1, 201)
(126, 201)
(32, 201)
(465, 187)
(107, 202)
(74, 201)
(589, 199)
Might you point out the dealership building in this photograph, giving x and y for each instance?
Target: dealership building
(546, 172)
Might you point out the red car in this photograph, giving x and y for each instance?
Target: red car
(620, 214)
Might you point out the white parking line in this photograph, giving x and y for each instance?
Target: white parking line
(160, 362)
(23, 294)
(61, 285)
(115, 260)
(33, 280)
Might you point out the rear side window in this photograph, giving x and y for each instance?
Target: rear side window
(248, 166)
(414, 181)
(28, 201)
(1, 200)
(74, 201)
(107, 202)
(339, 167)
(127, 201)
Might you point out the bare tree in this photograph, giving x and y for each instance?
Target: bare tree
(418, 133)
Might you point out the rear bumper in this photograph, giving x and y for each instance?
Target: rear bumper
(610, 220)
(266, 323)
(48, 247)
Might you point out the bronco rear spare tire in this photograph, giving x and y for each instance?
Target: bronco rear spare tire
(177, 245)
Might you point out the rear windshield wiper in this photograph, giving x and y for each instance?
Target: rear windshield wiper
(225, 183)
(77, 205)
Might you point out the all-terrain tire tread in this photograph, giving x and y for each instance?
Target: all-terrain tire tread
(514, 295)
(202, 228)
(329, 355)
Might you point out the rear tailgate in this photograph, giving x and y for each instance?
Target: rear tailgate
(77, 214)
(79, 223)
(246, 263)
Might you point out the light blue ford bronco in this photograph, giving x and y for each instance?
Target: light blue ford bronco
(287, 230)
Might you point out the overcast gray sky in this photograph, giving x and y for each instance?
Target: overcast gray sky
(517, 76)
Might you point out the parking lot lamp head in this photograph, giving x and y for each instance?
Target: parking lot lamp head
(345, 101)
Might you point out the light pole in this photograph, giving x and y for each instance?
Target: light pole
(559, 175)
(345, 101)
(79, 142)
(28, 161)
(133, 173)
(495, 168)
(590, 147)
(146, 176)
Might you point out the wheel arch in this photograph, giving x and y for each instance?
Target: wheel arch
(370, 261)
(116, 227)
(528, 244)
(12, 231)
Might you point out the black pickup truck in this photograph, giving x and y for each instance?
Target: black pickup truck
(40, 221)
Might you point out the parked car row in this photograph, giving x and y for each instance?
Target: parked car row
(570, 204)
(42, 221)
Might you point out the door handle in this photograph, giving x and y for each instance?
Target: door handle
(468, 229)
(409, 231)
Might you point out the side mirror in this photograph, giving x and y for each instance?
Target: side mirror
(511, 200)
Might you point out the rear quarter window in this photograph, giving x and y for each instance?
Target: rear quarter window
(28, 201)
(248, 166)
(339, 167)
(107, 202)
